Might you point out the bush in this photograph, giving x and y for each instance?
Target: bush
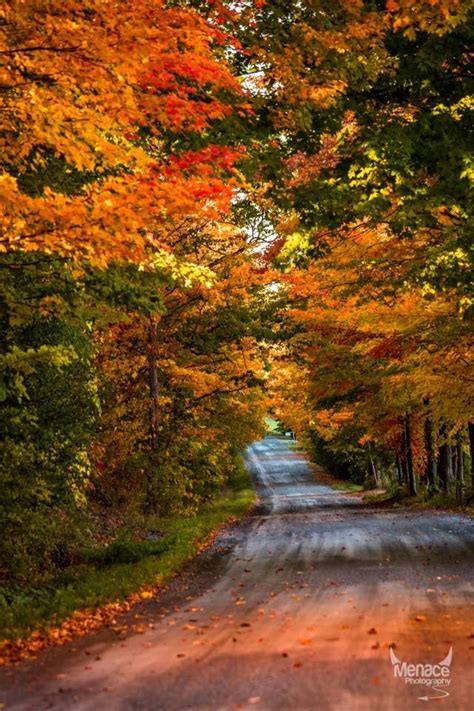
(125, 551)
(47, 413)
(37, 543)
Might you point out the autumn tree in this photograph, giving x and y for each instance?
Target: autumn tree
(110, 144)
(370, 180)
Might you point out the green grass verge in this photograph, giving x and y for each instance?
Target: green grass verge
(102, 580)
(295, 446)
(385, 497)
(398, 498)
(348, 486)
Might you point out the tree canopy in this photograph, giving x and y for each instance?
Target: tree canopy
(212, 209)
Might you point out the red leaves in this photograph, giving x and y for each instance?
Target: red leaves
(162, 75)
(388, 348)
(212, 158)
(82, 622)
(306, 168)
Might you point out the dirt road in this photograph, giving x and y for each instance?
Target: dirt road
(295, 608)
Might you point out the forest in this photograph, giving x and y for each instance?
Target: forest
(213, 212)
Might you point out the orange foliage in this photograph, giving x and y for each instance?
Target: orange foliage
(80, 85)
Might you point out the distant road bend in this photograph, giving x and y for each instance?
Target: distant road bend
(294, 608)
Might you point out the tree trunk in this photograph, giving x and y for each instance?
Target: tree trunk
(459, 471)
(399, 468)
(446, 466)
(470, 428)
(154, 386)
(373, 470)
(403, 455)
(409, 456)
(431, 461)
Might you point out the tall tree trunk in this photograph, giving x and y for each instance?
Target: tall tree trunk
(399, 468)
(443, 466)
(403, 454)
(154, 386)
(409, 456)
(431, 462)
(373, 469)
(459, 471)
(446, 466)
(454, 465)
(470, 428)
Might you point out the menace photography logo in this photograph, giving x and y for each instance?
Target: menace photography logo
(434, 679)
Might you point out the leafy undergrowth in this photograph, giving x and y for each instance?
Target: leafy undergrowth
(113, 579)
(295, 446)
(322, 476)
(382, 499)
(349, 486)
(422, 500)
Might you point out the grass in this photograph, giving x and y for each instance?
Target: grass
(348, 486)
(112, 576)
(399, 498)
(295, 446)
(386, 497)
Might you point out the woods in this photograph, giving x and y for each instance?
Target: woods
(214, 210)
(130, 370)
(375, 243)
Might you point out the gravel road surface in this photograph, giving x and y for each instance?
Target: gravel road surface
(294, 608)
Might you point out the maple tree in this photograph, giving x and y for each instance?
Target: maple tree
(206, 363)
(374, 234)
(92, 103)
(118, 170)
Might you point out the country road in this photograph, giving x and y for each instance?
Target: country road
(293, 608)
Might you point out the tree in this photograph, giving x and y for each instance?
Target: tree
(112, 155)
(374, 246)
